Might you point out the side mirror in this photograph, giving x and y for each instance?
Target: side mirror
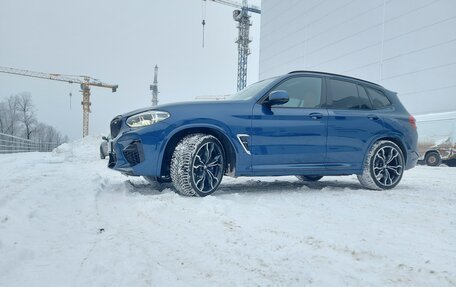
(279, 97)
(104, 138)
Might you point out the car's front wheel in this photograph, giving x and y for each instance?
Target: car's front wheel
(197, 165)
(384, 166)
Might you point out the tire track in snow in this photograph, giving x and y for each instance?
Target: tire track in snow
(122, 234)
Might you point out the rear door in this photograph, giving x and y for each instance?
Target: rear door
(291, 138)
(352, 123)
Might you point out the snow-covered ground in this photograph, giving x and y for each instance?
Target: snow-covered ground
(67, 220)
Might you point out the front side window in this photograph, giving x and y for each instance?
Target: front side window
(344, 95)
(304, 92)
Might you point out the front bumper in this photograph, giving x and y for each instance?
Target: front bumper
(127, 155)
(137, 151)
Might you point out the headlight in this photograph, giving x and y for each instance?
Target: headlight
(146, 118)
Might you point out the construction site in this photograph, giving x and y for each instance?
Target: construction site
(94, 93)
(83, 83)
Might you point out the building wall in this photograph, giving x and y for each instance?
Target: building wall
(408, 46)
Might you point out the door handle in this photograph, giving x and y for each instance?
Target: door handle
(373, 117)
(315, 116)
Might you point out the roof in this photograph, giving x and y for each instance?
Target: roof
(338, 75)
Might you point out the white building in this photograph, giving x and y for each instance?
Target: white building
(408, 46)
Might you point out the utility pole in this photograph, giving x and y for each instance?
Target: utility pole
(154, 88)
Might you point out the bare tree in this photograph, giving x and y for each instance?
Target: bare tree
(3, 117)
(46, 133)
(26, 112)
(17, 117)
(11, 116)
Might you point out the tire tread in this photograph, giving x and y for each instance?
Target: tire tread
(181, 163)
(366, 178)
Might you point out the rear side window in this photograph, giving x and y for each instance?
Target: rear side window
(344, 95)
(365, 103)
(379, 100)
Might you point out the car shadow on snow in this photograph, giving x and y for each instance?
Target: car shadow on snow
(285, 186)
(251, 186)
(243, 186)
(145, 188)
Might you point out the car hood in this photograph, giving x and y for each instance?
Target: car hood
(179, 105)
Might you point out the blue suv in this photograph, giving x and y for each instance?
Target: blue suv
(308, 124)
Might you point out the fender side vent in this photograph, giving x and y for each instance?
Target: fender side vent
(244, 140)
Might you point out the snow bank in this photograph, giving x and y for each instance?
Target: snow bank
(67, 220)
(84, 149)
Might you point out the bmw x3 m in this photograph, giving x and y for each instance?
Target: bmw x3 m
(308, 124)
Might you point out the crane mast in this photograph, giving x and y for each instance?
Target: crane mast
(85, 81)
(154, 88)
(240, 15)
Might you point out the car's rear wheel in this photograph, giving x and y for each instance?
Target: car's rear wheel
(384, 166)
(197, 165)
(309, 177)
(433, 159)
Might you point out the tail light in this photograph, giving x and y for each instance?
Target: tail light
(412, 121)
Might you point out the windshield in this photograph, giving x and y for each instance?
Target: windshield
(250, 91)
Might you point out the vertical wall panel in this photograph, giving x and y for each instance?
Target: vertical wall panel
(408, 46)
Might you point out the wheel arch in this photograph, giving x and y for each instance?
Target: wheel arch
(393, 138)
(228, 147)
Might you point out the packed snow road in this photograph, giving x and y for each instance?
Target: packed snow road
(67, 220)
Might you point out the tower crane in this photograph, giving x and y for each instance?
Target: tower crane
(154, 88)
(85, 81)
(240, 15)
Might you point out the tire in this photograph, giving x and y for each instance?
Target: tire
(309, 177)
(433, 159)
(197, 165)
(383, 167)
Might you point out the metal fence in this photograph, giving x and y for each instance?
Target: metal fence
(12, 144)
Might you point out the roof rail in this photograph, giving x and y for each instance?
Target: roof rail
(331, 74)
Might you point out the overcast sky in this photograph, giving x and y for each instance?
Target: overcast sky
(118, 42)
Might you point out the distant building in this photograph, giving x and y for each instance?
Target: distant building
(408, 46)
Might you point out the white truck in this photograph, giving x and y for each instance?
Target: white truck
(437, 137)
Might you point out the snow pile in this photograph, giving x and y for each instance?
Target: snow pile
(67, 220)
(85, 149)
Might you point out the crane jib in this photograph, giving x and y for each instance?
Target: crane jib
(84, 81)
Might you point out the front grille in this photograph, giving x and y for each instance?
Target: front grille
(133, 153)
(115, 126)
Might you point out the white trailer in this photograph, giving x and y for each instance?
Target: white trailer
(437, 137)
